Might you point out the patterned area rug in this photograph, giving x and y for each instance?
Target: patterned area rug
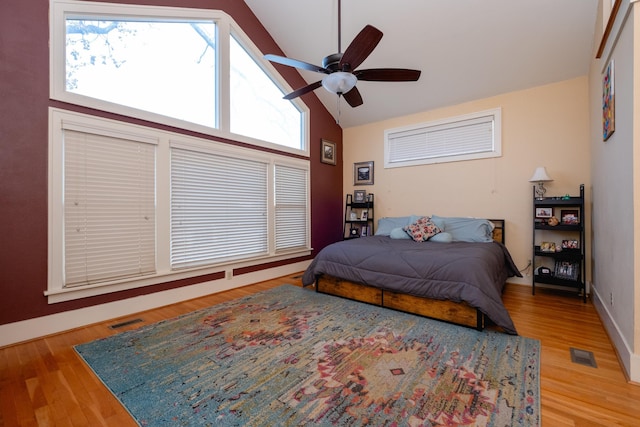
(290, 357)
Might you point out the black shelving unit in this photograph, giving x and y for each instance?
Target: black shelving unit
(358, 217)
(568, 268)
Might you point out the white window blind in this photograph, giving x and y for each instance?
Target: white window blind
(109, 208)
(291, 207)
(218, 208)
(459, 138)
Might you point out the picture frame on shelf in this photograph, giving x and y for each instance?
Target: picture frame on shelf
(570, 244)
(359, 196)
(365, 215)
(363, 173)
(544, 212)
(364, 231)
(570, 216)
(568, 270)
(328, 152)
(353, 216)
(547, 247)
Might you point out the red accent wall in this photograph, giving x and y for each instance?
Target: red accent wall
(24, 100)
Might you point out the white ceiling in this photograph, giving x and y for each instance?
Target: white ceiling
(466, 49)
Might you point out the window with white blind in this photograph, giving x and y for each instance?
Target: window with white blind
(291, 205)
(218, 208)
(472, 136)
(133, 206)
(109, 208)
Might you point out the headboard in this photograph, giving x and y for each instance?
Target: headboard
(498, 230)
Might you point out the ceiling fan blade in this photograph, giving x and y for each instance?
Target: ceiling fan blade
(305, 89)
(388, 75)
(353, 97)
(296, 63)
(360, 48)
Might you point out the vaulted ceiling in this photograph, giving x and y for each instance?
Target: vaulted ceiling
(466, 49)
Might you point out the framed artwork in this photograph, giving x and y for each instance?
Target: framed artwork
(569, 216)
(364, 231)
(570, 244)
(364, 215)
(328, 154)
(608, 102)
(359, 196)
(544, 212)
(363, 173)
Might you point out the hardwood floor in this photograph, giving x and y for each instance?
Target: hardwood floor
(44, 383)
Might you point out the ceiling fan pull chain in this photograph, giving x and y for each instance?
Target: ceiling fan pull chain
(338, 107)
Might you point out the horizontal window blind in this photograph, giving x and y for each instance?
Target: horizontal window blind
(291, 207)
(109, 208)
(218, 208)
(447, 140)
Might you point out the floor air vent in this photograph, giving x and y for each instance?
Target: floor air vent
(583, 357)
(126, 323)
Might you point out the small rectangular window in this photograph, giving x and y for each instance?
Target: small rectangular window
(473, 136)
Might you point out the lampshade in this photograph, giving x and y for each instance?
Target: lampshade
(339, 82)
(540, 175)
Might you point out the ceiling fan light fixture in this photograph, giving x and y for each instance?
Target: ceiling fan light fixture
(339, 82)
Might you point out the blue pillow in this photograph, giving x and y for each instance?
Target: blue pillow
(386, 225)
(442, 237)
(466, 229)
(399, 233)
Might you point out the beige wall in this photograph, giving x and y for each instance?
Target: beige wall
(543, 126)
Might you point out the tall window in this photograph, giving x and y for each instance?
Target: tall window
(257, 107)
(163, 67)
(189, 68)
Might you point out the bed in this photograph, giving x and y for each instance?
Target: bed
(458, 278)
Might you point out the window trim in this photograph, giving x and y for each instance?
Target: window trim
(59, 119)
(495, 116)
(59, 9)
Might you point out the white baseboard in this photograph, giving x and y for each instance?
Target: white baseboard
(25, 330)
(630, 361)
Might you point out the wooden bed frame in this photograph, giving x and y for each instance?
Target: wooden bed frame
(459, 313)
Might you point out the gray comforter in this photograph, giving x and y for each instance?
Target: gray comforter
(457, 271)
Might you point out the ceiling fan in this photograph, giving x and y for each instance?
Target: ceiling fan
(340, 68)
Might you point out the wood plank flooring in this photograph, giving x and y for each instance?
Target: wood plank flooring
(44, 383)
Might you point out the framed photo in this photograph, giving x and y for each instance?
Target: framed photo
(567, 270)
(544, 212)
(547, 247)
(364, 215)
(353, 216)
(569, 216)
(328, 154)
(570, 244)
(608, 102)
(364, 231)
(359, 196)
(363, 173)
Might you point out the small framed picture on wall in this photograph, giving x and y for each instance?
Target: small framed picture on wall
(363, 173)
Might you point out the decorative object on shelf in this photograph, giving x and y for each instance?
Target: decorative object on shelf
(553, 221)
(608, 102)
(359, 196)
(353, 232)
(567, 270)
(540, 176)
(543, 271)
(570, 244)
(364, 232)
(548, 247)
(353, 216)
(544, 212)
(328, 152)
(364, 216)
(363, 173)
(569, 216)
